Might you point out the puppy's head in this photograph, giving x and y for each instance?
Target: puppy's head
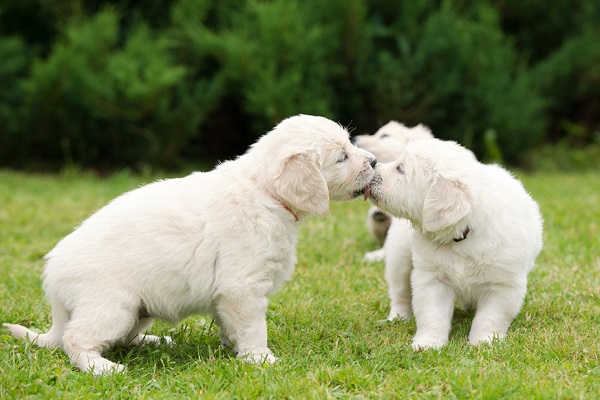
(391, 139)
(312, 162)
(429, 184)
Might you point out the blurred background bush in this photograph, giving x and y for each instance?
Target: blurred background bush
(112, 84)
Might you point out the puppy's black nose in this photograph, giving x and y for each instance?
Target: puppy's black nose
(373, 162)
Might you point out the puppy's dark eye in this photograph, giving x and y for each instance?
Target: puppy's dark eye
(400, 168)
(384, 136)
(343, 158)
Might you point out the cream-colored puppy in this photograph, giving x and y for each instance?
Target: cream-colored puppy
(390, 140)
(397, 253)
(386, 144)
(477, 235)
(216, 243)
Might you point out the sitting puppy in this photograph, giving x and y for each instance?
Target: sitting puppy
(216, 243)
(477, 235)
(386, 144)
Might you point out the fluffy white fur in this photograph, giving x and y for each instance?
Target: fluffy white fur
(477, 235)
(390, 140)
(216, 243)
(386, 144)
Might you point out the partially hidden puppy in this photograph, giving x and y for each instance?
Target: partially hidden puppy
(476, 236)
(386, 144)
(216, 243)
(390, 139)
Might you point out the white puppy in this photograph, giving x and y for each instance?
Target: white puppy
(386, 144)
(477, 235)
(216, 243)
(397, 253)
(390, 140)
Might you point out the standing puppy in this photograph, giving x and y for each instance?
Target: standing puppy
(477, 235)
(216, 243)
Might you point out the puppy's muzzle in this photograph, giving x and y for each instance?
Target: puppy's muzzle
(375, 187)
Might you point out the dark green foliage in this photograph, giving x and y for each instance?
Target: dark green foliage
(13, 67)
(540, 27)
(268, 55)
(570, 79)
(113, 83)
(462, 77)
(99, 102)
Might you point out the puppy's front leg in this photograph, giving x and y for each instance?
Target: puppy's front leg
(433, 305)
(398, 267)
(244, 323)
(495, 311)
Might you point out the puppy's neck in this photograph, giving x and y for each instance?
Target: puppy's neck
(287, 208)
(454, 234)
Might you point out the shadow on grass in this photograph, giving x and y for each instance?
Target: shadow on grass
(190, 346)
(461, 324)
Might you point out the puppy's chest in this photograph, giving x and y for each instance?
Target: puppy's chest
(462, 273)
(272, 259)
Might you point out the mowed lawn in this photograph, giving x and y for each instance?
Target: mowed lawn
(326, 324)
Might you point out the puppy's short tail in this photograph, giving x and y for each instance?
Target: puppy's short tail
(52, 338)
(49, 339)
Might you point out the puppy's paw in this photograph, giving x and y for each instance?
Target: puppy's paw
(399, 315)
(258, 358)
(484, 338)
(373, 256)
(167, 340)
(105, 367)
(424, 343)
(146, 339)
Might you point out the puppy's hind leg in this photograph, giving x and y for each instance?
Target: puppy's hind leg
(53, 338)
(92, 330)
(138, 337)
(495, 311)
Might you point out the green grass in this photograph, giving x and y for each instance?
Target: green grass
(324, 325)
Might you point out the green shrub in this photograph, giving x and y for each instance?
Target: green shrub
(271, 56)
(95, 101)
(189, 79)
(539, 27)
(570, 80)
(461, 77)
(13, 67)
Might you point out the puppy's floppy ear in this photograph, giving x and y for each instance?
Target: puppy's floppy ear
(298, 181)
(446, 202)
